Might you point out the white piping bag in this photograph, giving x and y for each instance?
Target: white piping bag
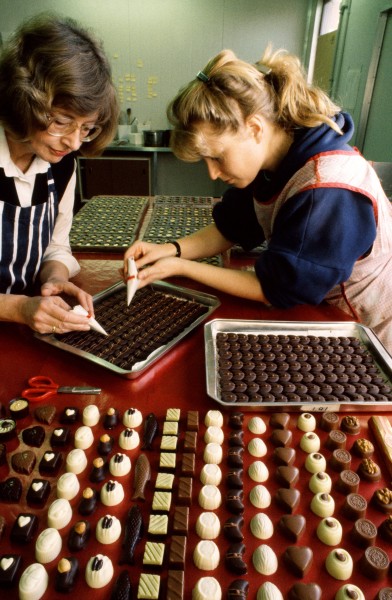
(132, 280)
(79, 310)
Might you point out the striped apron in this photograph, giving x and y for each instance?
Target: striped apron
(25, 233)
(367, 294)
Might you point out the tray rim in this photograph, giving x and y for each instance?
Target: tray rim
(366, 334)
(207, 299)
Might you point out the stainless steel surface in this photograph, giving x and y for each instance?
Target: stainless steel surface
(207, 300)
(325, 329)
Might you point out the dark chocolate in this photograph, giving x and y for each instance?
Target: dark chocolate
(34, 436)
(385, 529)
(70, 414)
(88, 502)
(105, 444)
(66, 574)
(99, 471)
(122, 589)
(235, 501)
(234, 478)
(238, 590)
(60, 436)
(232, 528)
(50, 462)
(234, 561)
(236, 420)
(79, 536)
(19, 408)
(38, 492)
(9, 567)
(24, 528)
(7, 429)
(11, 490)
(111, 418)
(133, 532)
(150, 431)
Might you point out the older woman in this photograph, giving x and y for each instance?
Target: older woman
(56, 97)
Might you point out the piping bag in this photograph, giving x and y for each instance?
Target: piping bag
(79, 310)
(132, 280)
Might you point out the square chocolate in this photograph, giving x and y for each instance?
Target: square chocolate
(70, 414)
(60, 436)
(38, 492)
(50, 462)
(24, 528)
(9, 566)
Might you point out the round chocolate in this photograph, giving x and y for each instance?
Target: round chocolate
(19, 408)
(340, 460)
(355, 506)
(350, 424)
(7, 429)
(374, 563)
(363, 448)
(348, 481)
(364, 533)
(336, 439)
(329, 421)
(368, 470)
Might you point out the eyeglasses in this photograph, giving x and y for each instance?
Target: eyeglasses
(59, 126)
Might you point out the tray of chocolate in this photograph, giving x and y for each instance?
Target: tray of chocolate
(108, 223)
(308, 366)
(111, 503)
(159, 317)
(173, 217)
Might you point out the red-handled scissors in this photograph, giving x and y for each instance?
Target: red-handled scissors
(43, 387)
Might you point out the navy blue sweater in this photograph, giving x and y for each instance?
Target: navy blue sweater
(318, 234)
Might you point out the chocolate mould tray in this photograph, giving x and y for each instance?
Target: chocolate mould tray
(376, 369)
(137, 334)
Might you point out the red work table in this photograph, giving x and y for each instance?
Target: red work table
(177, 380)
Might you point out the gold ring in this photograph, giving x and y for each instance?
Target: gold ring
(54, 329)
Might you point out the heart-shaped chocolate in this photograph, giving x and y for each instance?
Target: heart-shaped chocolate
(281, 437)
(287, 475)
(305, 591)
(23, 462)
(279, 420)
(298, 559)
(292, 526)
(284, 456)
(288, 498)
(34, 436)
(45, 414)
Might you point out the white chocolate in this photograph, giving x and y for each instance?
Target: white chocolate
(108, 529)
(90, 415)
(59, 513)
(119, 465)
(48, 545)
(306, 422)
(129, 439)
(265, 560)
(310, 442)
(213, 417)
(76, 461)
(33, 582)
(214, 434)
(323, 505)
(206, 555)
(213, 453)
(210, 497)
(257, 448)
(348, 590)
(329, 531)
(320, 482)
(339, 564)
(260, 497)
(99, 577)
(258, 471)
(68, 486)
(208, 525)
(207, 588)
(112, 493)
(269, 591)
(84, 437)
(211, 474)
(261, 526)
(257, 426)
(132, 418)
(315, 462)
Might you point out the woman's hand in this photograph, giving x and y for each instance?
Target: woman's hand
(54, 287)
(50, 314)
(146, 253)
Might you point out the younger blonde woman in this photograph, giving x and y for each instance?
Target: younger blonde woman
(295, 182)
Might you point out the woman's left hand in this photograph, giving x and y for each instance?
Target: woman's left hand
(161, 269)
(55, 287)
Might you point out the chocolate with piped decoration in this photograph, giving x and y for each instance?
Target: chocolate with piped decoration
(7, 429)
(38, 492)
(24, 528)
(9, 567)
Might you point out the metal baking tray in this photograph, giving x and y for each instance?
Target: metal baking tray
(206, 301)
(381, 358)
